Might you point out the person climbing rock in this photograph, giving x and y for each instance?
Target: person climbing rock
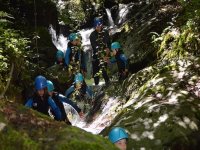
(121, 60)
(59, 99)
(74, 57)
(100, 41)
(41, 101)
(80, 91)
(119, 137)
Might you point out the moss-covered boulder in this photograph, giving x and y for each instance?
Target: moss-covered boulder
(23, 128)
(163, 109)
(161, 102)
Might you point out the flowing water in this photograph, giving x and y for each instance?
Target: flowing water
(110, 19)
(109, 111)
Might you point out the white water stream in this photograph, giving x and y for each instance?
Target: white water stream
(110, 19)
(102, 120)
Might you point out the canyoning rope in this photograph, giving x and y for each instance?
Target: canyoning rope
(36, 35)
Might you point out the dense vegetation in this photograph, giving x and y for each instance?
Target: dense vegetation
(13, 53)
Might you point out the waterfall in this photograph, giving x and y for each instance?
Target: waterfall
(123, 11)
(60, 41)
(85, 34)
(110, 19)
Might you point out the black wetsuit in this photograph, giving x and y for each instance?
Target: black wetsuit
(96, 66)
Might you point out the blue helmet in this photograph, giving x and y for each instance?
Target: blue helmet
(115, 45)
(117, 134)
(59, 54)
(40, 82)
(50, 86)
(73, 36)
(98, 22)
(78, 78)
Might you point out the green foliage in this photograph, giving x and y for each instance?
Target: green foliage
(191, 8)
(4, 19)
(13, 50)
(184, 39)
(77, 12)
(178, 42)
(72, 13)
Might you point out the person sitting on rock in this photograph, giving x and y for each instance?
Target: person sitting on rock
(41, 101)
(121, 60)
(119, 137)
(59, 99)
(74, 57)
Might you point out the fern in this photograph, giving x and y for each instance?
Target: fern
(178, 43)
(4, 19)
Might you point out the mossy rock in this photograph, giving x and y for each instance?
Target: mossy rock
(23, 128)
(165, 113)
(162, 126)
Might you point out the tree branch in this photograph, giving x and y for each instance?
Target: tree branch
(8, 83)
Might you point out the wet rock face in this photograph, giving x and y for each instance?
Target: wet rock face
(143, 20)
(163, 110)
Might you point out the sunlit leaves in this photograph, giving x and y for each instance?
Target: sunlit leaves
(72, 13)
(4, 19)
(12, 49)
(176, 43)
